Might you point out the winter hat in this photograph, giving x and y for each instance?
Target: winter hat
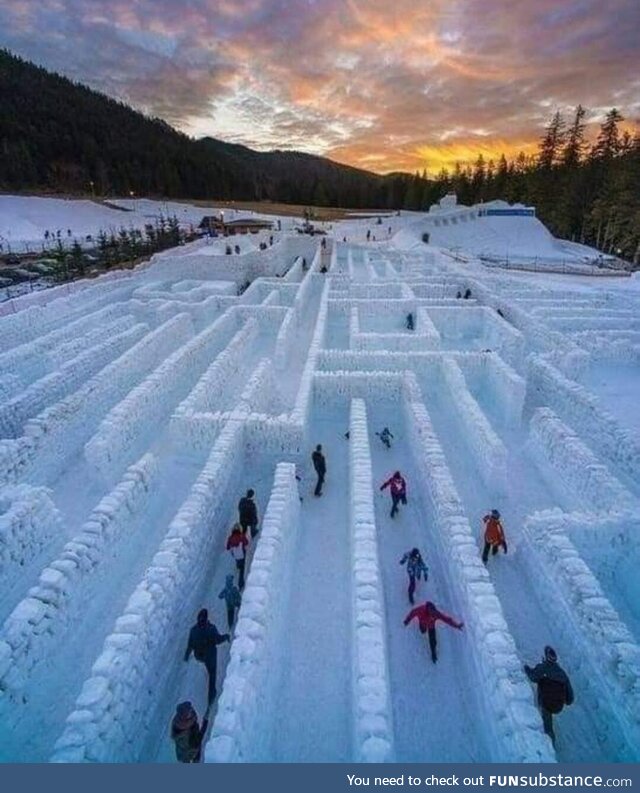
(236, 527)
(495, 514)
(415, 552)
(203, 616)
(185, 716)
(250, 493)
(550, 654)
(397, 474)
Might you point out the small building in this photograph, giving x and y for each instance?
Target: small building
(216, 224)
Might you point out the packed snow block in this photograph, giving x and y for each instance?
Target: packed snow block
(503, 388)
(28, 521)
(578, 408)
(372, 710)
(241, 732)
(502, 687)
(127, 429)
(67, 378)
(612, 657)
(259, 393)
(30, 359)
(375, 291)
(615, 346)
(214, 389)
(302, 406)
(60, 430)
(538, 337)
(487, 448)
(602, 323)
(64, 585)
(10, 385)
(331, 388)
(561, 453)
(129, 672)
(66, 352)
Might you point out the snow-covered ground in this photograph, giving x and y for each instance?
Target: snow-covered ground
(25, 219)
(135, 411)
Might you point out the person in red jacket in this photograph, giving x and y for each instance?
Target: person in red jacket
(237, 547)
(398, 491)
(427, 617)
(493, 535)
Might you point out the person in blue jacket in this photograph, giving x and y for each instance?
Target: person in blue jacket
(231, 596)
(204, 639)
(416, 568)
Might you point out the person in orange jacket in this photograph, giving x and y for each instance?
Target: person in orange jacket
(493, 535)
(427, 616)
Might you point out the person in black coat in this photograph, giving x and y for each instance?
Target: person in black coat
(248, 513)
(320, 465)
(204, 639)
(554, 688)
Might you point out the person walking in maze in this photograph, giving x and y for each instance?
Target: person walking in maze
(186, 734)
(554, 688)
(427, 616)
(237, 543)
(416, 569)
(386, 437)
(320, 466)
(410, 323)
(248, 513)
(231, 596)
(204, 639)
(493, 535)
(398, 489)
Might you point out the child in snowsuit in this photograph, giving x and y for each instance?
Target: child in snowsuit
(204, 639)
(237, 543)
(248, 513)
(231, 595)
(427, 617)
(493, 535)
(386, 437)
(186, 734)
(398, 491)
(554, 688)
(416, 568)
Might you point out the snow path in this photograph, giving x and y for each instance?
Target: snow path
(580, 733)
(313, 722)
(190, 681)
(434, 710)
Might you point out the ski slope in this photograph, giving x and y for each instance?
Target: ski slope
(137, 409)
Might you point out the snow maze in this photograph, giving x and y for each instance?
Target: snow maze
(136, 411)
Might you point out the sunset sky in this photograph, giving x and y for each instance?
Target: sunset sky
(382, 84)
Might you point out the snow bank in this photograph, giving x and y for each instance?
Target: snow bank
(487, 448)
(579, 408)
(373, 722)
(499, 679)
(557, 447)
(71, 374)
(241, 731)
(56, 601)
(125, 430)
(590, 626)
(133, 664)
(28, 521)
